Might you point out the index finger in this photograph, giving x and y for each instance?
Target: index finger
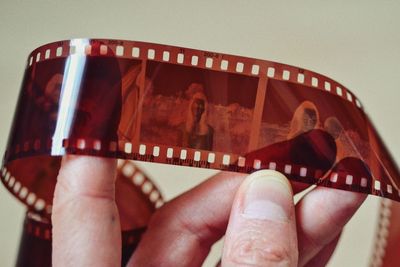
(86, 227)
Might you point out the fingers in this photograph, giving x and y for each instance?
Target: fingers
(182, 231)
(321, 215)
(262, 224)
(86, 228)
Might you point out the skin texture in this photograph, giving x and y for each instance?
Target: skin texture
(262, 227)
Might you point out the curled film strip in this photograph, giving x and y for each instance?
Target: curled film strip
(137, 198)
(165, 104)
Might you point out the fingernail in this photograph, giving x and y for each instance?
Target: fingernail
(268, 196)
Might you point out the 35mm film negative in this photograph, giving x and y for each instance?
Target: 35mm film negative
(180, 106)
(137, 198)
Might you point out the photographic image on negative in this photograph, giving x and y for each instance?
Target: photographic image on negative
(292, 109)
(198, 108)
(309, 127)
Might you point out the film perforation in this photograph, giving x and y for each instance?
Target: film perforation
(197, 156)
(364, 182)
(128, 148)
(97, 145)
(334, 177)
(183, 154)
(211, 157)
(154, 196)
(39, 204)
(136, 52)
(300, 77)
(151, 54)
(88, 50)
(11, 181)
(209, 62)
(138, 178)
(38, 57)
(142, 150)
(288, 169)
(271, 72)
(23, 193)
(17, 187)
(314, 81)
(349, 179)
(103, 49)
(241, 161)
(180, 58)
(147, 187)
(226, 159)
(327, 86)
(194, 60)
(239, 67)
(224, 64)
(358, 103)
(31, 199)
(47, 54)
(59, 51)
(255, 69)
(303, 172)
(166, 56)
(286, 75)
(120, 51)
(389, 189)
(377, 185)
(81, 143)
(170, 152)
(156, 151)
(339, 91)
(349, 96)
(7, 176)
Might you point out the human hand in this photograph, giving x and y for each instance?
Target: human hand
(262, 227)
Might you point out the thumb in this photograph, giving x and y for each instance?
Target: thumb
(262, 229)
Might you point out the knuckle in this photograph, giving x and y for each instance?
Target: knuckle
(252, 248)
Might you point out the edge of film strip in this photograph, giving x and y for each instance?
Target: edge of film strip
(382, 233)
(141, 180)
(195, 158)
(23, 193)
(194, 58)
(126, 168)
(36, 226)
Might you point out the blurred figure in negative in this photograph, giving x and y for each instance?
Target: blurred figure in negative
(196, 133)
(305, 118)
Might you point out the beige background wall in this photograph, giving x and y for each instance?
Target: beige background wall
(354, 42)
